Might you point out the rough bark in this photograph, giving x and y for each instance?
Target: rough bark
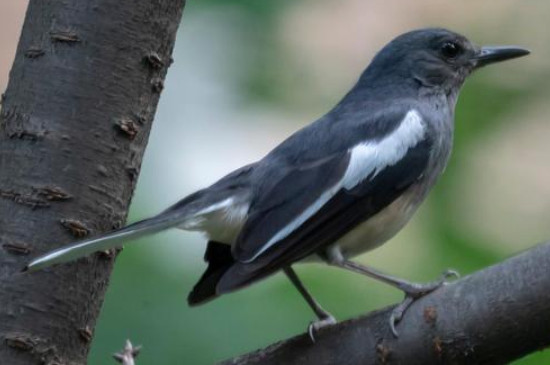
(74, 123)
(491, 317)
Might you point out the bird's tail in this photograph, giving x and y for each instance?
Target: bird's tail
(191, 213)
(107, 241)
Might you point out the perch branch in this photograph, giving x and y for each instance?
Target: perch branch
(493, 316)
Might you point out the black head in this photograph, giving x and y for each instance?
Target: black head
(434, 58)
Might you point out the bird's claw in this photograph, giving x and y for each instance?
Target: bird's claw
(414, 291)
(397, 313)
(318, 324)
(449, 274)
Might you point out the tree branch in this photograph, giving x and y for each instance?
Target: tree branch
(74, 124)
(493, 316)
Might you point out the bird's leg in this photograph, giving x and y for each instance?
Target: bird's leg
(324, 317)
(413, 291)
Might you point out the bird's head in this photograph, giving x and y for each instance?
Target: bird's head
(434, 58)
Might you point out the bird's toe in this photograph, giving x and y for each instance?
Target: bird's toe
(315, 326)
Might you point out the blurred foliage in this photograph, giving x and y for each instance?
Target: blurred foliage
(147, 303)
(479, 111)
(261, 10)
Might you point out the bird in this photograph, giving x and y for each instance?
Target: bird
(337, 188)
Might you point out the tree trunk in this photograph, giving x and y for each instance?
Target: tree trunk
(74, 123)
(492, 317)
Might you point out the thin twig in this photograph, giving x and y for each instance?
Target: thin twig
(128, 354)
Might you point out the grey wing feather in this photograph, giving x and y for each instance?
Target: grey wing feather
(291, 196)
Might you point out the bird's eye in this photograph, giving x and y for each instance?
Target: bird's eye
(450, 49)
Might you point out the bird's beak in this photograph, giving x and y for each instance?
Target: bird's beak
(487, 55)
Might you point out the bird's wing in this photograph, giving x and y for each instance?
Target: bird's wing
(315, 204)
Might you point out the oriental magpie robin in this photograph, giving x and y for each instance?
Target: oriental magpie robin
(341, 186)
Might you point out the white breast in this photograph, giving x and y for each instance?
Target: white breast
(380, 227)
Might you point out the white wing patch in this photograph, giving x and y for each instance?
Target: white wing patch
(372, 157)
(367, 159)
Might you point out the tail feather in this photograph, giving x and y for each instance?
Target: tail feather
(109, 240)
(219, 259)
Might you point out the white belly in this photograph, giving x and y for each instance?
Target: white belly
(380, 227)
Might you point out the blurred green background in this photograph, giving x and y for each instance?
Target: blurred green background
(248, 73)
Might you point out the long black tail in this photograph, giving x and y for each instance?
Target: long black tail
(219, 258)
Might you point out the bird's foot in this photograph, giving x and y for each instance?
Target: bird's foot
(318, 324)
(414, 291)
